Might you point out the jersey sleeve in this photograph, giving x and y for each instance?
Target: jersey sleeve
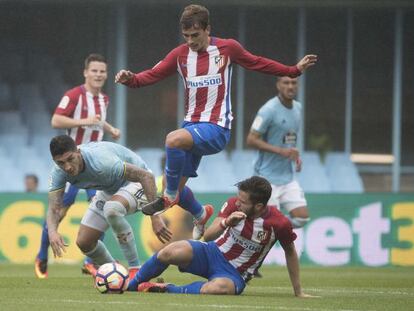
(161, 70)
(262, 120)
(285, 232)
(67, 104)
(57, 179)
(228, 207)
(244, 58)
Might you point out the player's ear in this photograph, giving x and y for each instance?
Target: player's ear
(208, 29)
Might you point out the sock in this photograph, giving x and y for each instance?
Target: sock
(190, 204)
(100, 254)
(173, 169)
(193, 288)
(123, 233)
(152, 268)
(89, 260)
(44, 244)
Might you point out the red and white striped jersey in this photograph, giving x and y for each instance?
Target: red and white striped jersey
(78, 103)
(246, 245)
(207, 77)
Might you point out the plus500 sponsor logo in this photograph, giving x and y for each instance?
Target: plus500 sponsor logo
(203, 81)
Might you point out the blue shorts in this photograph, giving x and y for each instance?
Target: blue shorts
(71, 193)
(208, 139)
(208, 262)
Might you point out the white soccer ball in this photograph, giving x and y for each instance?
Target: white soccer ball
(111, 278)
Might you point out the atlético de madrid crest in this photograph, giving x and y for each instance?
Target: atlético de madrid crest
(262, 235)
(219, 60)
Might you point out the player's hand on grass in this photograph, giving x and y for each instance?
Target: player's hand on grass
(303, 295)
(123, 76)
(57, 243)
(160, 229)
(306, 62)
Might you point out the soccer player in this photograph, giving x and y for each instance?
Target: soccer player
(244, 232)
(274, 133)
(121, 178)
(31, 182)
(82, 112)
(205, 64)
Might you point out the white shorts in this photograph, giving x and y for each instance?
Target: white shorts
(94, 216)
(288, 197)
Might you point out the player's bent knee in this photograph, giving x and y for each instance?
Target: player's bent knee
(84, 244)
(113, 209)
(218, 287)
(299, 222)
(175, 253)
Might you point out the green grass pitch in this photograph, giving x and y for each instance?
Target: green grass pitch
(345, 288)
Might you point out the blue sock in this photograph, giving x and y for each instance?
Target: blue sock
(189, 203)
(193, 288)
(44, 244)
(150, 269)
(174, 168)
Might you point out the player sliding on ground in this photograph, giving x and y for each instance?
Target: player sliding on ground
(205, 65)
(243, 233)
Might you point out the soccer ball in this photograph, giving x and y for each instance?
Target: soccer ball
(111, 278)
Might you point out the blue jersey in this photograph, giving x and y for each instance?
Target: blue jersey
(278, 126)
(104, 168)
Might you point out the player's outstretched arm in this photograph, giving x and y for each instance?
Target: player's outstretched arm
(53, 218)
(292, 262)
(306, 62)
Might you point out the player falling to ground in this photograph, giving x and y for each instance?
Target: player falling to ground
(244, 232)
(274, 133)
(82, 112)
(122, 179)
(205, 64)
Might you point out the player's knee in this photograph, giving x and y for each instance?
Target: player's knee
(83, 243)
(299, 222)
(166, 255)
(217, 288)
(113, 209)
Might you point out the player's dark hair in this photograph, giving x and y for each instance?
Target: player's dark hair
(258, 188)
(196, 16)
(32, 176)
(61, 144)
(94, 58)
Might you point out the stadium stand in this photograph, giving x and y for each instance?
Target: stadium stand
(343, 173)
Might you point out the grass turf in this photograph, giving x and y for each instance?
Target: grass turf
(342, 288)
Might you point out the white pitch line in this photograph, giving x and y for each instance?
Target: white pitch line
(340, 290)
(192, 305)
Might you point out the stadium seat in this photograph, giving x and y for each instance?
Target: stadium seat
(313, 178)
(6, 99)
(242, 163)
(343, 174)
(216, 170)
